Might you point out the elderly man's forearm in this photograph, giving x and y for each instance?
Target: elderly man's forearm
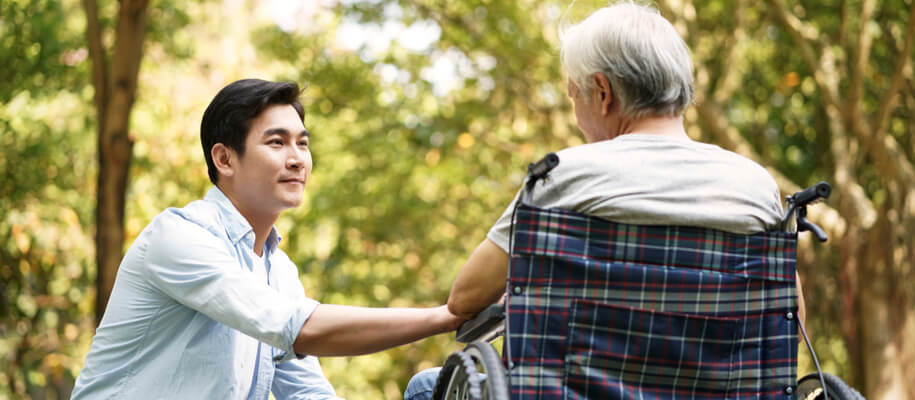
(468, 305)
(480, 282)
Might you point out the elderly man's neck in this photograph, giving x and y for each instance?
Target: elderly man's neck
(653, 125)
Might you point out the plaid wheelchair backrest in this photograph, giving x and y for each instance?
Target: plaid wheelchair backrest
(600, 310)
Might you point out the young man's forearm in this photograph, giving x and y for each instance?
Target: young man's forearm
(335, 330)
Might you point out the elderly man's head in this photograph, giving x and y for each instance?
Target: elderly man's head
(644, 60)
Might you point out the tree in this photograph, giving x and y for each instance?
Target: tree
(115, 83)
(819, 90)
(862, 70)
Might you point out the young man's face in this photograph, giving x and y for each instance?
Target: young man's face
(276, 163)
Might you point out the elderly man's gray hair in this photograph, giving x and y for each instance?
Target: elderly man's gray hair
(640, 53)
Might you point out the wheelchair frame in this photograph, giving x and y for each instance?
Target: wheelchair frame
(460, 379)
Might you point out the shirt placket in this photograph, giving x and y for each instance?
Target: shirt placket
(263, 371)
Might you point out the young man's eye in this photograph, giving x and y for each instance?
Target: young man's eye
(275, 141)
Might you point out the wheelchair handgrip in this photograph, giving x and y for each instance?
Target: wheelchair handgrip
(821, 190)
(540, 168)
(487, 325)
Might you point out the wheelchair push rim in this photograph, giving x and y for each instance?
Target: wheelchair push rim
(476, 373)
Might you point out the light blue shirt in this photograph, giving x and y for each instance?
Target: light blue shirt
(196, 314)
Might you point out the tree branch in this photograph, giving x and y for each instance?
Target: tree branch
(685, 20)
(116, 146)
(843, 21)
(728, 137)
(890, 98)
(128, 51)
(99, 59)
(888, 156)
(859, 57)
(804, 37)
(854, 202)
(729, 82)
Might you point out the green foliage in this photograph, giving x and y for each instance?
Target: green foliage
(40, 42)
(406, 182)
(45, 244)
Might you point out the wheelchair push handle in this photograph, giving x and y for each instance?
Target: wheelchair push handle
(540, 169)
(821, 190)
(797, 206)
(537, 171)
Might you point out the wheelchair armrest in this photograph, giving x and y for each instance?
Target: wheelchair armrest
(487, 325)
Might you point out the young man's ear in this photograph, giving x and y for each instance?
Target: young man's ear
(603, 92)
(224, 159)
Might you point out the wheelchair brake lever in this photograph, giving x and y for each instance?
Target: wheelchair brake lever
(804, 225)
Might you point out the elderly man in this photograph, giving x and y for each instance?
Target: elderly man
(630, 80)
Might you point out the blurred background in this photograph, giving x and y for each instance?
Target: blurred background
(424, 114)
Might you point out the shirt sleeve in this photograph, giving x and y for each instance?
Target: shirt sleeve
(301, 379)
(197, 268)
(501, 230)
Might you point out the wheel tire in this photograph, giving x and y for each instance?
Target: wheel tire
(483, 354)
(458, 379)
(809, 387)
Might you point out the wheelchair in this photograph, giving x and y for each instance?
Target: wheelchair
(601, 310)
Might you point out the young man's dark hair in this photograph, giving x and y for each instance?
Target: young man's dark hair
(229, 115)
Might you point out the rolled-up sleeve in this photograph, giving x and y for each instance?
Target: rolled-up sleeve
(302, 379)
(500, 231)
(197, 268)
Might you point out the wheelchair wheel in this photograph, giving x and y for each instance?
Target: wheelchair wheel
(476, 373)
(809, 388)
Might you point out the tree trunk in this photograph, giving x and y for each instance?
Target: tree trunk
(870, 229)
(114, 97)
(886, 330)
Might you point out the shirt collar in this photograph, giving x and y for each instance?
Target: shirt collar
(236, 225)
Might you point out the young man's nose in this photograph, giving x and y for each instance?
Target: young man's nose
(296, 158)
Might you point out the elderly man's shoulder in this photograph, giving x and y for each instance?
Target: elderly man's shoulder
(649, 155)
(632, 148)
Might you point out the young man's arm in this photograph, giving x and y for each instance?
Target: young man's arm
(480, 282)
(194, 267)
(335, 330)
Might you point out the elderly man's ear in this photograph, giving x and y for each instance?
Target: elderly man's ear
(603, 92)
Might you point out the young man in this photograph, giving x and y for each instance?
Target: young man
(206, 306)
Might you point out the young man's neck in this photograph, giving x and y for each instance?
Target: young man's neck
(261, 224)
